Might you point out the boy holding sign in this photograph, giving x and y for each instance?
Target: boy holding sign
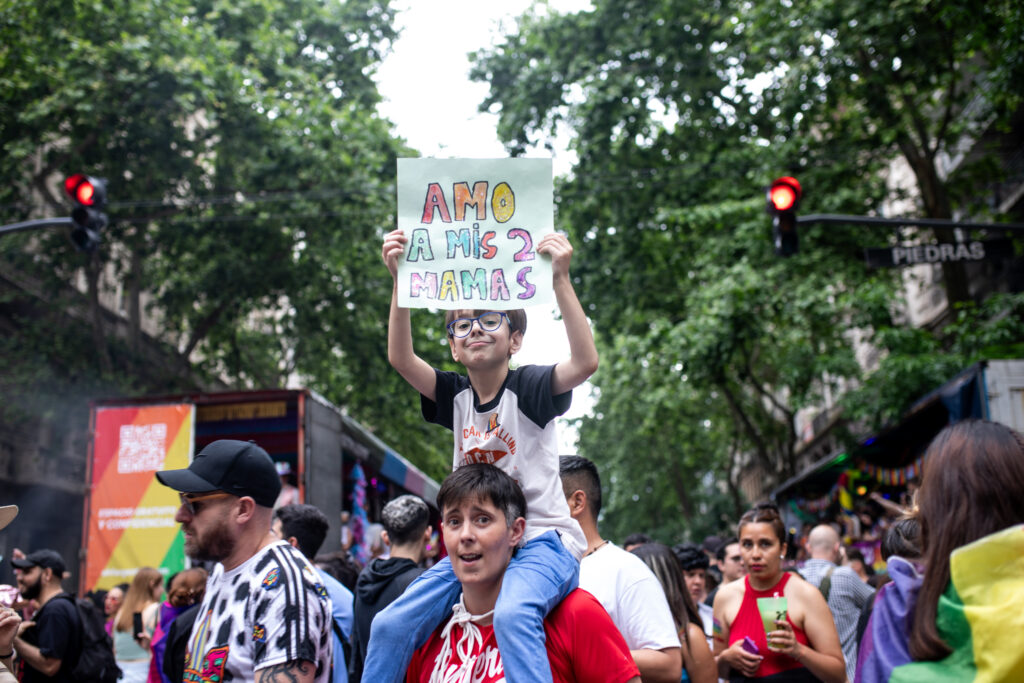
(504, 417)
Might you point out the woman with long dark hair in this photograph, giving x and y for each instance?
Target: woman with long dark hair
(963, 617)
(803, 646)
(698, 664)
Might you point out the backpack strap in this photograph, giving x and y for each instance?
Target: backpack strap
(346, 646)
(826, 583)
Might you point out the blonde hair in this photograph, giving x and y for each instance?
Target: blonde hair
(138, 596)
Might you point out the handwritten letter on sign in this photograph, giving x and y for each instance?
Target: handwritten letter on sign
(473, 227)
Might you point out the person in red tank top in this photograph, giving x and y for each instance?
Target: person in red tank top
(804, 646)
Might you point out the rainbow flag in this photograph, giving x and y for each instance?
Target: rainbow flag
(980, 616)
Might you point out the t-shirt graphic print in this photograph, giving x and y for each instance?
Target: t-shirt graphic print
(271, 609)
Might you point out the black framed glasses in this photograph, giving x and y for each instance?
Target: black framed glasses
(189, 500)
(489, 322)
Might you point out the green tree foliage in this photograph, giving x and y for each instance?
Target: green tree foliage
(680, 114)
(918, 361)
(917, 79)
(250, 182)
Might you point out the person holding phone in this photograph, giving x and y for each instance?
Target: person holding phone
(803, 646)
(134, 624)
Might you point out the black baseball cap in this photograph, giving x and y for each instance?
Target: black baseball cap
(47, 559)
(240, 468)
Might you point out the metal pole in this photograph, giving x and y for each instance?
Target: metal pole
(897, 222)
(38, 223)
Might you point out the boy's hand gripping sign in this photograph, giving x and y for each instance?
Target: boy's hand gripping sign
(472, 227)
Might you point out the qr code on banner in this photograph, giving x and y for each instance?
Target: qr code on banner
(142, 448)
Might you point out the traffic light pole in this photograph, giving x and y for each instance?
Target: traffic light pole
(32, 225)
(899, 222)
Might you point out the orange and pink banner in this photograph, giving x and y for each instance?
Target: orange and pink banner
(131, 515)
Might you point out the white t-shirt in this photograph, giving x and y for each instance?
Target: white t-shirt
(632, 595)
(515, 432)
(271, 609)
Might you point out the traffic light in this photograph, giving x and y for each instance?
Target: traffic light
(89, 195)
(783, 199)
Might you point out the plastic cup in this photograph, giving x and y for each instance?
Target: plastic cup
(772, 610)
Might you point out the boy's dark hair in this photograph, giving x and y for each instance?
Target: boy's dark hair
(405, 519)
(691, 556)
(516, 318)
(638, 538)
(482, 481)
(306, 523)
(720, 552)
(580, 474)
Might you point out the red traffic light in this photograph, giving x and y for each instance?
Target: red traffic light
(85, 190)
(784, 194)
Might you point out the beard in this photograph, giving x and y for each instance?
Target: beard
(214, 545)
(32, 591)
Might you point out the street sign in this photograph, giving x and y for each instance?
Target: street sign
(945, 252)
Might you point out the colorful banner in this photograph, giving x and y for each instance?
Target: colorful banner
(473, 227)
(896, 476)
(131, 515)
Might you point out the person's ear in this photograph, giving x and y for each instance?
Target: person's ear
(454, 350)
(246, 509)
(577, 501)
(515, 341)
(518, 529)
(386, 538)
(427, 532)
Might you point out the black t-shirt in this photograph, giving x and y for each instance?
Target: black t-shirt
(58, 633)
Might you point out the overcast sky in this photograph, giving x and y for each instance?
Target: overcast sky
(428, 95)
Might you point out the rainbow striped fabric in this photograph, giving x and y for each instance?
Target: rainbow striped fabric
(980, 616)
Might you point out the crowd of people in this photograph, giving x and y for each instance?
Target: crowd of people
(949, 600)
(530, 590)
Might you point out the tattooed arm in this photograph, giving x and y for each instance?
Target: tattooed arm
(297, 671)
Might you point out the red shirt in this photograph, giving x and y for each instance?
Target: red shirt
(748, 623)
(582, 642)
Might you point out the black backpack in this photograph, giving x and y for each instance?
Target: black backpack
(96, 663)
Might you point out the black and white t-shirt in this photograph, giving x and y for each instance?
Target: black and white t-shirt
(515, 432)
(271, 609)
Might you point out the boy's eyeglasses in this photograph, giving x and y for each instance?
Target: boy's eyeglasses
(189, 500)
(489, 322)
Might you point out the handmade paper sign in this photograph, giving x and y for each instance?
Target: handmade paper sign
(473, 227)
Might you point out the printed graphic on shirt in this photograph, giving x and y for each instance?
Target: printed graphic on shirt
(480, 665)
(267, 611)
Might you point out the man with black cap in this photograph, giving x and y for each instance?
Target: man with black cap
(265, 615)
(50, 649)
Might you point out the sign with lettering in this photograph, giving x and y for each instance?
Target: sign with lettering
(944, 252)
(473, 226)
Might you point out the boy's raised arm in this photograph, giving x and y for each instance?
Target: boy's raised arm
(583, 359)
(401, 354)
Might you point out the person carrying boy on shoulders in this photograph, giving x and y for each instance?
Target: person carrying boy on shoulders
(482, 519)
(504, 417)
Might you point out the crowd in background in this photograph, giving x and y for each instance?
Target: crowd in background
(953, 547)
